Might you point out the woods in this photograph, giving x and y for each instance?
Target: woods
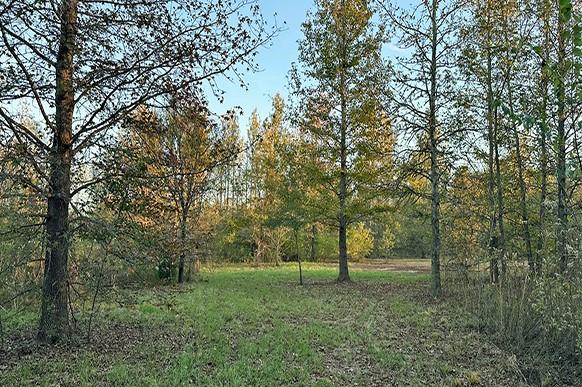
(443, 134)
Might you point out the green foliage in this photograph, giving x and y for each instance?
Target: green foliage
(166, 269)
(255, 327)
(412, 232)
(341, 111)
(233, 239)
(360, 242)
(558, 302)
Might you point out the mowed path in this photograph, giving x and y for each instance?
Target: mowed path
(241, 326)
(395, 265)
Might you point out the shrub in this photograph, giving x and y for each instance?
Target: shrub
(360, 242)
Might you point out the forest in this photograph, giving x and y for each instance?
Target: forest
(405, 211)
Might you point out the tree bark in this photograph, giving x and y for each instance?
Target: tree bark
(493, 267)
(344, 275)
(183, 238)
(500, 202)
(522, 187)
(298, 256)
(561, 145)
(544, 130)
(434, 168)
(54, 316)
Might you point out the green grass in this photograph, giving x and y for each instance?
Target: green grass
(257, 327)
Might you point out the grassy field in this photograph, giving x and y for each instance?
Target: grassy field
(257, 327)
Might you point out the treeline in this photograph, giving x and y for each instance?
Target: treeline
(449, 130)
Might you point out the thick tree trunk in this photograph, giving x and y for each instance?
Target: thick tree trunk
(344, 275)
(434, 169)
(54, 316)
(435, 221)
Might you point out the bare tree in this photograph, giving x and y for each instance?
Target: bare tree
(422, 88)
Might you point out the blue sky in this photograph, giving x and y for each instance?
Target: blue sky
(274, 61)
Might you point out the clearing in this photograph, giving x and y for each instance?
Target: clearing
(242, 326)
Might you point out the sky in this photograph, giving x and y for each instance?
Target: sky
(274, 63)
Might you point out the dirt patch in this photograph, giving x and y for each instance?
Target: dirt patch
(389, 265)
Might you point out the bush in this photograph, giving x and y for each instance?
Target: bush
(539, 320)
(360, 242)
(166, 269)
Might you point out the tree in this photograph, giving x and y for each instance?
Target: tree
(84, 66)
(340, 82)
(293, 192)
(266, 175)
(424, 88)
(483, 58)
(178, 151)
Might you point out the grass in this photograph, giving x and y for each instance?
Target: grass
(241, 326)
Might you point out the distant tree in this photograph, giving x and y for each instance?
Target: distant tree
(266, 175)
(172, 156)
(293, 193)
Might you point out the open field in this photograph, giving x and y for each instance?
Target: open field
(244, 326)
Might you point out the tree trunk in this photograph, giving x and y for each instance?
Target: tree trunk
(493, 268)
(344, 275)
(183, 238)
(522, 187)
(561, 145)
(434, 169)
(54, 315)
(298, 257)
(544, 130)
(313, 251)
(500, 203)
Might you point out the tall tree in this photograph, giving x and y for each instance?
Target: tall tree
(483, 59)
(83, 66)
(562, 68)
(544, 12)
(424, 87)
(340, 83)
